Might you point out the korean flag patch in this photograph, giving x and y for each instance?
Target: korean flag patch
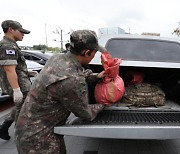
(10, 52)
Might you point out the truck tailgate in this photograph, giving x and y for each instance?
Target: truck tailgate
(126, 125)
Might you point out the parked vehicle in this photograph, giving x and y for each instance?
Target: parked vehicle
(159, 60)
(37, 56)
(3, 97)
(32, 66)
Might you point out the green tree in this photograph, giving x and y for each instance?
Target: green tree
(40, 47)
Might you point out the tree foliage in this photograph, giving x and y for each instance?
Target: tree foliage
(43, 47)
(40, 47)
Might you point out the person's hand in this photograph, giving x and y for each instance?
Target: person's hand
(32, 73)
(96, 108)
(87, 72)
(101, 74)
(17, 95)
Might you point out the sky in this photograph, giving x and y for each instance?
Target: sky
(45, 18)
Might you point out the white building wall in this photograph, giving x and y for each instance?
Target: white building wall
(110, 31)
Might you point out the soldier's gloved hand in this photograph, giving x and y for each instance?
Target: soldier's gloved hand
(96, 108)
(17, 95)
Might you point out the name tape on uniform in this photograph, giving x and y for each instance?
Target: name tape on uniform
(10, 52)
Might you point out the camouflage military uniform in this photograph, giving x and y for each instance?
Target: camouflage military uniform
(59, 89)
(10, 54)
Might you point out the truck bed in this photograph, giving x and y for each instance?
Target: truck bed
(121, 114)
(168, 106)
(130, 123)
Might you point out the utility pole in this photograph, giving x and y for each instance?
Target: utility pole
(46, 36)
(61, 42)
(59, 31)
(177, 30)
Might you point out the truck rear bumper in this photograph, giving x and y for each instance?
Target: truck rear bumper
(121, 132)
(126, 125)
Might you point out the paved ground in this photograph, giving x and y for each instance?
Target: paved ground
(82, 145)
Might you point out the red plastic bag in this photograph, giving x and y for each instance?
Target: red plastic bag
(136, 77)
(111, 89)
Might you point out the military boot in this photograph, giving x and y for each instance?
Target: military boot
(4, 134)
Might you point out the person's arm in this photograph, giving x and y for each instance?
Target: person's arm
(72, 93)
(8, 60)
(13, 81)
(93, 77)
(12, 76)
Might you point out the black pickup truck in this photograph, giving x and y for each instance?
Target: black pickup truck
(159, 59)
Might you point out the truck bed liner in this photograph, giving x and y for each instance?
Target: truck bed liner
(128, 123)
(133, 117)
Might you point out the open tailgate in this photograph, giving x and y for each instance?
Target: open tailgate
(126, 125)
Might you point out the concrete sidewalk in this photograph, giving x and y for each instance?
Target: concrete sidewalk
(83, 145)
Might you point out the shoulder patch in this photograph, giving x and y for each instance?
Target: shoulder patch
(10, 52)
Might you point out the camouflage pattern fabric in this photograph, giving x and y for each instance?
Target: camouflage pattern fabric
(143, 95)
(10, 54)
(59, 89)
(84, 38)
(14, 25)
(13, 115)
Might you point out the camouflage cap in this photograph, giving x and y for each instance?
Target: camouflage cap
(84, 39)
(14, 25)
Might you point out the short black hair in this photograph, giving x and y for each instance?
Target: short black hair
(5, 30)
(67, 45)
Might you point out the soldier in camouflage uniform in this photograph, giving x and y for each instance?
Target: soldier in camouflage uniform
(58, 90)
(14, 79)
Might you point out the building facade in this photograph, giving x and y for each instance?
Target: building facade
(110, 31)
